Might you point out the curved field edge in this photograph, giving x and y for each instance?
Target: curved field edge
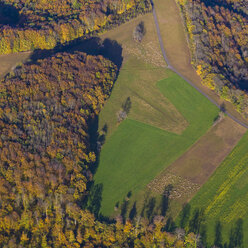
(224, 196)
(135, 153)
(10, 61)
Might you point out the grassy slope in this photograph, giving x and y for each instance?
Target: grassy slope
(224, 197)
(137, 80)
(137, 152)
(143, 66)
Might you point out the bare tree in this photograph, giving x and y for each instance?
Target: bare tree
(139, 32)
(121, 115)
(125, 109)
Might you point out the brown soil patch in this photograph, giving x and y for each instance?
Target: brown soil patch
(201, 160)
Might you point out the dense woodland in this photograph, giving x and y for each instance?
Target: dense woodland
(44, 157)
(218, 34)
(42, 24)
(46, 110)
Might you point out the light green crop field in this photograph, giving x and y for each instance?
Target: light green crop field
(225, 196)
(136, 152)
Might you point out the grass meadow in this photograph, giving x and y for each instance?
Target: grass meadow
(225, 196)
(143, 66)
(136, 152)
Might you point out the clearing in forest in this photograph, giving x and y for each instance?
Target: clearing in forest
(143, 66)
(135, 153)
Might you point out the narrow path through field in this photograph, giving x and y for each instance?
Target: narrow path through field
(179, 74)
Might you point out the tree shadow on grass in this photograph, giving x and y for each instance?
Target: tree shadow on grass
(165, 199)
(237, 235)
(170, 225)
(185, 215)
(109, 49)
(149, 209)
(218, 234)
(133, 212)
(95, 198)
(125, 206)
(196, 220)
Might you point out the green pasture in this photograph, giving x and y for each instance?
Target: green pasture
(137, 80)
(225, 196)
(137, 152)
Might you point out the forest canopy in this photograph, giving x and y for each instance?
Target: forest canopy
(42, 24)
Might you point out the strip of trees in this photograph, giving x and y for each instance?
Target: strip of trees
(29, 25)
(219, 45)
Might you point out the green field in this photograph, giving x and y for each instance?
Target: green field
(142, 68)
(225, 196)
(137, 80)
(136, 152)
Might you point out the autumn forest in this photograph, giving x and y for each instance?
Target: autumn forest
(49, 108)
(29, 25)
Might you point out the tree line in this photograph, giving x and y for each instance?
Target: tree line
(29, 25)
